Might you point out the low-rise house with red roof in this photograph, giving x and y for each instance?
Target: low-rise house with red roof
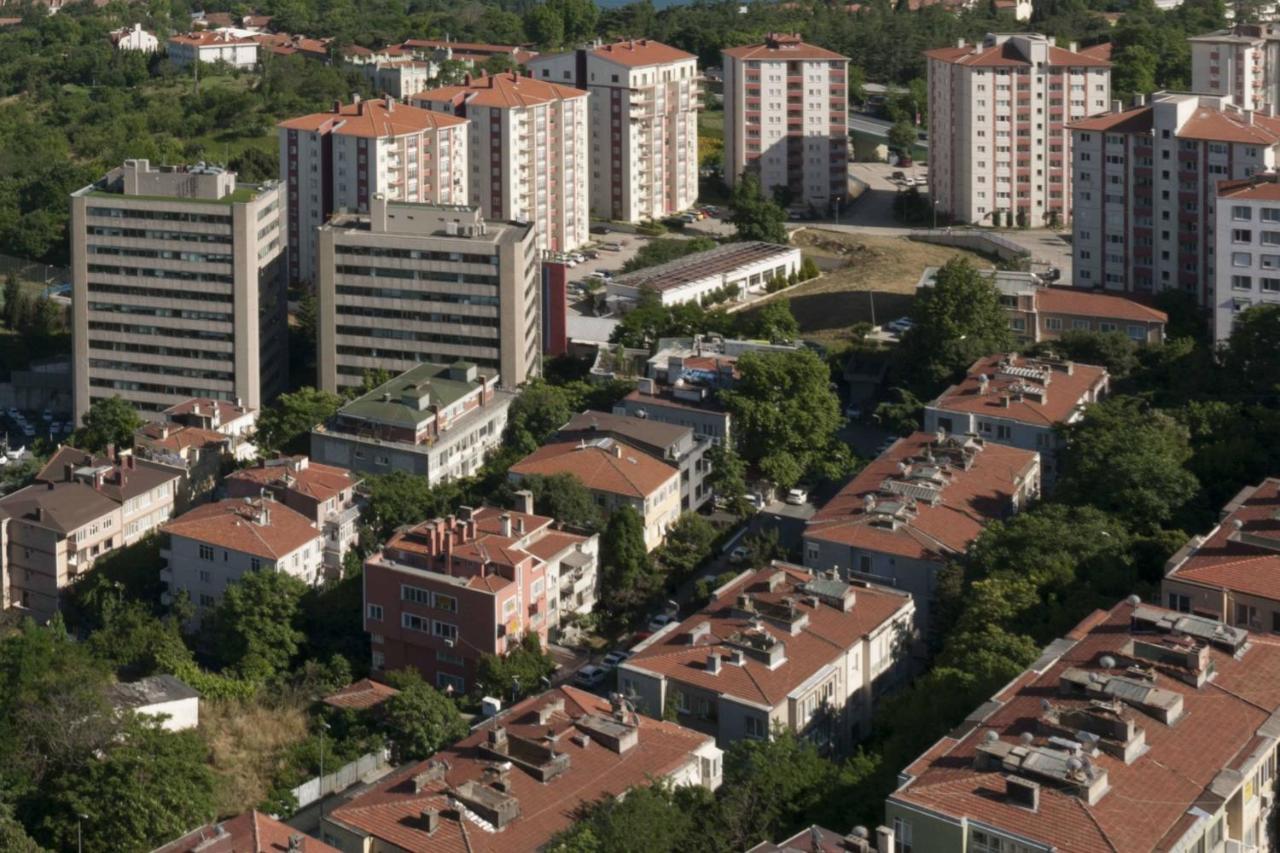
(442, 593)
(521, 777)
(399, 76)
(1145, 185)
(819, 839)
(1143, 729)
(134, 38)
(214, 545)
(213, 46)
(198, 453)
(531, 138)
(230, 418)
(475, 54)
(616, 475)
(999, 147)
(917, 506)
(325, 494)
(1019, 401)
(251, 832)
(647, 166)
(1232, 573)
(1246, 248)
(363, 695)
(1042, 312)
(781, 647)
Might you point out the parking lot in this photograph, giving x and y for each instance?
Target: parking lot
(21, 428)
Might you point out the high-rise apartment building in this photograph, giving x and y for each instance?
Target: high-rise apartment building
(179, 289)
(407, 283)
(643, 126)
(1241, 62)
(1246, 249)
(338, 160)
(1145, 183)
(528, 152)
(999, 147)
(785, 109)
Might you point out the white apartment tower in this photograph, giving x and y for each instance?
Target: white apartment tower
(999, 148)
(643, 124)
(339, 159)
(528, 152)
(408, 283)
(1145, 184)
(1242, 62)
(785, 119)
(1247, 249)
(179, 289)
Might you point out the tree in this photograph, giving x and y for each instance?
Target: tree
(564, 498)
(656, 818)
(902, 136)
(400, 498)
(627, 578)
(109, 421)
(956, 322)
(13, 836)
(252, 628)
(285, 427)
(772, 321)
(160, 782)
(12, 294)
(1135, 71)
(522, 671)
(772, 787)
(539, 410)
(784, 413)
(728, 478)
(420, 720)
(253, 165)
(1113, 350)
(1127, 459)
(754, 216)
(903, 416)
(1250, 354)
(665, 249)
(688, 543)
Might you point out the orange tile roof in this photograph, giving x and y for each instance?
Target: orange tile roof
(1098, 51)
(640, 52)
(301, 475)
(604, 465)
(231, 524)
(361, 695)
(1074, 301)
(177, 438)
(1064, 391)
(475, 51)
(829, 634)
(251, 832)
(969, 501)
(120, 481)
(203, 406)
(1136, 120)
(211, 38)
(503, 91)
(373, 118)
(1206, 123)
(1006, 54)
(1223, 561)
(782, 46)
(391, 810)
(1261, 187)
(1147, 801)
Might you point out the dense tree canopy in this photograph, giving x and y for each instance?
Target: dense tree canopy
(957, 321)
(421, 718)
(285, 426)
(109, 422)
(252, 628)
(753, 215)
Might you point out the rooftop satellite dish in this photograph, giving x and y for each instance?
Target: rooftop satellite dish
(860, 832)
(1107, 662)
(1074, 764)
(1028, 738)
(1046, 705)
(991, 736)
(1134, 600)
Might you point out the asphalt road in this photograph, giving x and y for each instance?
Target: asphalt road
(875, 127)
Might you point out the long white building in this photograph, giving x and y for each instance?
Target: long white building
(340, 159)
(528, 152)
(1246, 249)
(785, 119)
(999, 148)
(1145, 184)
(643, 124)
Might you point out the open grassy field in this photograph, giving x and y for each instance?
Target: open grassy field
(247, 741)
(860, 273)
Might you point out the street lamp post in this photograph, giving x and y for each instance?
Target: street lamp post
(324, 727)
(935, 215)
(80, 819)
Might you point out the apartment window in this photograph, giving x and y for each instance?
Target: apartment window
(414, 622)
(1270, 214)
(205, 576)
(1246, 616)
(374, 612)
(255, 564)
(1241, 235)
(444, 630)
(1271, 285)
(901, 836)
(1053, 324)
(1179, 602)
(1241, 259)
(756, 728)
(1270, 238)
(417, 595)
(445, 602)
(377, 660)
(206, 552)
(1241, 282)
(206, 600)
(1004, 432)
(450, 683)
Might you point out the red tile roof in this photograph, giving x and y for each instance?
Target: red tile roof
(123, 476)
(211, 38)
(477, 52)
(502, 91)
(233, 524)
(391, 810)
(1098, 51)
(1262, 187)
(299, 474)
(1064, 391)
(1206, 123)
(177, 438)
(969, 500)
(782, 46)
(203, 406)
(640, 52)
(251, 832)
(1241, 554)
(829, 633)
(1136, 120)
(361, 695)
(373, 118)
(603, 465)
(1006, 54)
(1146, 803)
(1077, 302)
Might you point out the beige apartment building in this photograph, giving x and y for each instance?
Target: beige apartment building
(999, 147)
(786, 119)
(643, 124)
(339, 160)
(1241, 63)
(528, 152)
(179, 289)
(1146, 179)
(408, 283)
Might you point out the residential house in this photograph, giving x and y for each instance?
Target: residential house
(232, 419)
(198, 453)
(165, 697)
(777, 648)
(238, 51)
(134, 38)
(250, 832)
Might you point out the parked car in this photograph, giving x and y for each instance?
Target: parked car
(590, 676)
(756, 500)
(739, 555)
(12, 413)
(661, 621)
(796, 497)
(28, 430)
(599, 229)
(900, 326)
(47, 416)
(615, 658)
(578, 257)
(899, 176)
(853, 412)
(611, 247)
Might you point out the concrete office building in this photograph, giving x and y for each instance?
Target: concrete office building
(643, 127)
(785, 119)
(338, 160)
(999, 147)
(178, 288)
(1240, 62)
(408, 283)
(528, 152)
(1246, 249)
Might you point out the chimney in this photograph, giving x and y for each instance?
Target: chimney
(111, 451)
(884, 839)
(617, 450)
(1139, 100)
(295, 843)
(1074, 47)
(430, 821)
(1022, 792)
(713, 663)
(504, 525)
(1248, 117)
(524, 501)
(1117, 106)
(390, 104)
(337, 107)
(520, 525)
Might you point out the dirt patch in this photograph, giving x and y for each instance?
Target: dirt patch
(861, 274)
(247, 741)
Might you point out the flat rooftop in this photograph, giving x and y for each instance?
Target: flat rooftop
(701, 265)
